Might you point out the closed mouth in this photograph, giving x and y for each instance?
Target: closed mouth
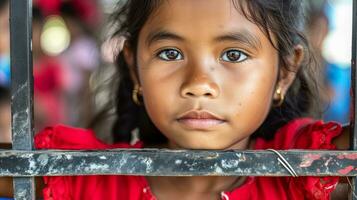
(201, 120)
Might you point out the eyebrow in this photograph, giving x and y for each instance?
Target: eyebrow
(244, 37)
(162, 35)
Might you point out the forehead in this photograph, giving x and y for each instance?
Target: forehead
(200, 19)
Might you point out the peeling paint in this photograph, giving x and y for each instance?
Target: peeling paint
(229, 163)
(94, 166)
(327, 162)
(309, 159)
(148, 162)
(218, 169)
(346, 170)
(241, 157)
(21, 193)
(32, 165)
(352, 156)
(43, 159)
(19, 90)
(123, 161)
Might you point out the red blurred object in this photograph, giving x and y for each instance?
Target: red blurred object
(86, 10)
(49, 103)
(48, 7)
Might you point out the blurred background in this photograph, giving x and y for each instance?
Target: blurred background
(71, 53)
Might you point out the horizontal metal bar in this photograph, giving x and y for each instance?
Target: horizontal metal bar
(154, 162)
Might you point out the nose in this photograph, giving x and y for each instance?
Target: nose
(199, 82)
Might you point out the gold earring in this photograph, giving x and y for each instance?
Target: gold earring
(135, 94)
(281, 97)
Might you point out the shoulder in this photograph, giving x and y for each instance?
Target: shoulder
(303, 133)
(85, 187)
(71, 138)
(108, 187)
(277, 188)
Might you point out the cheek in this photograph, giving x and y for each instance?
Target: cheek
(160, 90)
(253, 89)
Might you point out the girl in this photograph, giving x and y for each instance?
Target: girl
(207, 74)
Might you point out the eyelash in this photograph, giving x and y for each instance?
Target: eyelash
(241, 53)
(162, 54)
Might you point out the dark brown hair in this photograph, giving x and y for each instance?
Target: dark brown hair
(3, 4)
(283, 19)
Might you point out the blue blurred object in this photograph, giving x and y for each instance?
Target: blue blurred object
(5, 198)
(336, 53)
(5, 76)
(339, 80)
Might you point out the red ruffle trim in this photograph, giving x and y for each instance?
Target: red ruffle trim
(316, 136)
(307, 134)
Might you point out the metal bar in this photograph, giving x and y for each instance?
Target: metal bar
(155, 162)
(22, 88)
(354, 92)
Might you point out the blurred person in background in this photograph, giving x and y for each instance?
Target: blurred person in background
(5, 116)
(5, 106)
(317, 28)
(82, 56)
(64, 81)
(4, 44)
(49, 106)
(336, 78)
(61, 79)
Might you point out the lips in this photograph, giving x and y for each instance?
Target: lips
(200, 120)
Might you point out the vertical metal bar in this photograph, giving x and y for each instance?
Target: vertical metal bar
(354, 92)
(22, 88)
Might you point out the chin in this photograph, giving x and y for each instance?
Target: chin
(198, 146)
(213, 143)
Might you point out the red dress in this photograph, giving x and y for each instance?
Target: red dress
(298, 134)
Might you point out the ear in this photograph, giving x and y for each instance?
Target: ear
(287, 74)
(130, 61)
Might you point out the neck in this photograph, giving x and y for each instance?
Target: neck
(198, 186)
(244, 144)
(193, 186)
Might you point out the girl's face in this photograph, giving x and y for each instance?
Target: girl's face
(208, 75)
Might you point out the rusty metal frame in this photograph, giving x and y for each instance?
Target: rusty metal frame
(24, 163)
(22, 88)
(159, 162)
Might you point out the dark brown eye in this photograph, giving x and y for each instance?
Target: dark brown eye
(233, 56)
(170, 55)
